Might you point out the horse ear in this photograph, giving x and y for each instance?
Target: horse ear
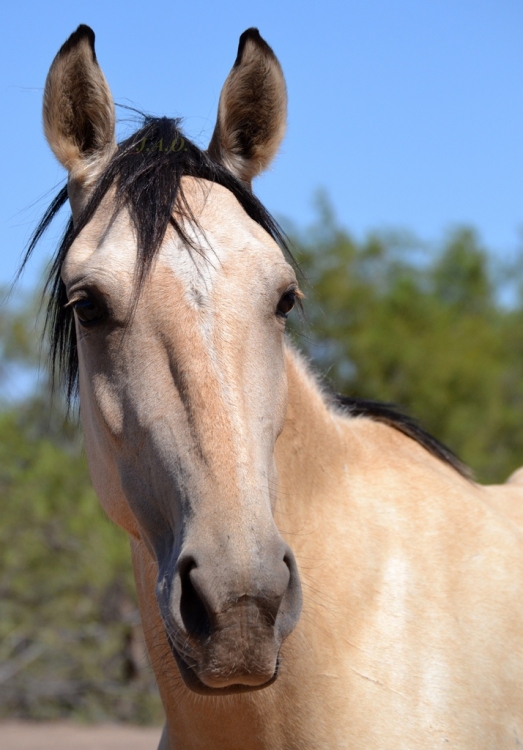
(252, 112)
(79, 118)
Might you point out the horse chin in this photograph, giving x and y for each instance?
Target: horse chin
(249, 683)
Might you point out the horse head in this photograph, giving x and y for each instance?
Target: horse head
(171, 298)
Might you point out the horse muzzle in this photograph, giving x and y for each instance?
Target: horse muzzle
(226, 626)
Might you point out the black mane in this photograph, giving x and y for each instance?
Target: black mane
(390, 415)
(146, 171)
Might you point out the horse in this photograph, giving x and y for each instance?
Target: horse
(313, 572)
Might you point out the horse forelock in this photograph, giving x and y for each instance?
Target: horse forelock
(145, 174)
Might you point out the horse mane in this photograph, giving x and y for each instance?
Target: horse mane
(146, 171)
(390, 415)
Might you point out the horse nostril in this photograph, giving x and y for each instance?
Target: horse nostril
(193, 611)
(291, 603)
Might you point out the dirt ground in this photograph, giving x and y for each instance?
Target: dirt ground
(61, 736)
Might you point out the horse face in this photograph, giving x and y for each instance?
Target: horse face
(182, 382)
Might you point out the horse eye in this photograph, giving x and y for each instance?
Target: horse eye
(87, 311)
(286, 303)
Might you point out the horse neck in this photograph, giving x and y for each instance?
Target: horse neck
(311, 444)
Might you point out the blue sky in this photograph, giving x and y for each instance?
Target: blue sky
(408, 113)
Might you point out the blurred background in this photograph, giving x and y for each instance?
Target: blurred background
(400, 184)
